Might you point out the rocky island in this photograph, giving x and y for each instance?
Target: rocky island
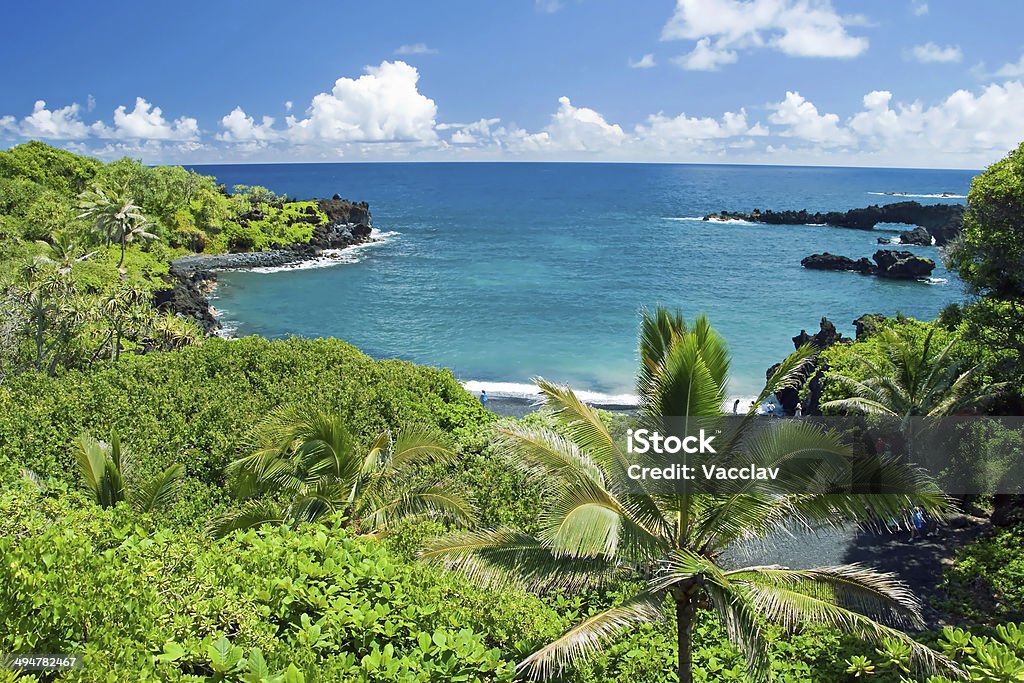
(942, 222)
(889, 263)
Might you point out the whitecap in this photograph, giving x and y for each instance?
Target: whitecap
(331, 257)
(530, 391)
(939, 195)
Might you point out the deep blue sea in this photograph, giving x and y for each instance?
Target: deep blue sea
(507, 271)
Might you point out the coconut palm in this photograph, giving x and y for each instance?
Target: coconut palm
(107, 475)
(307, 458)
(115, 217)
(599, 526)
(913, 379)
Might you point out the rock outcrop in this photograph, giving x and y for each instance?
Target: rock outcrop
(889, 263)
(829, 261)
(193, 277)
(187, 297)
(919, 236)
(941, 221)
(348, 223)
(826, 336)
(868, 324)
(902, 265)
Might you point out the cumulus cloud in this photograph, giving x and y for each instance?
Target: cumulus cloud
(54, 124)
(965, 123)
(1012, 69)
(801, 119)
(470, 133)
(645, 62)
(382, 105)
(581, 129)
(930, 53)
(705, 57)
(288, 105)
(240, 127)
(799, 28)
(685, 128)
(147, 122)
(415, 49)
(919, 8)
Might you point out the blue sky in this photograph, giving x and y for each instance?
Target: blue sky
(930, 83)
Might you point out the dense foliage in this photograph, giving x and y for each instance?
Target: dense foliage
(102, 546)
(84, 247)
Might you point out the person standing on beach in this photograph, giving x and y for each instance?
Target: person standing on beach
(799, 410)
(736, 407)
(483, 398)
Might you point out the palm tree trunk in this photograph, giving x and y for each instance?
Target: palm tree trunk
(121, 262)
(684, 629)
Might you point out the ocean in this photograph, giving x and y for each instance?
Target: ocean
(505, 271)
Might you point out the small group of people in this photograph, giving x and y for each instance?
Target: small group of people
(915, 521)
(769, 409)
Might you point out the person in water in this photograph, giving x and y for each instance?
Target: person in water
(483, 398)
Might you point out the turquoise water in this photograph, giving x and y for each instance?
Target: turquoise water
(503, 272)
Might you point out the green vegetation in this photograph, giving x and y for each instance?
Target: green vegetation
(85, 247)
(596, 527)
(899, 374)
(359, 465)
(310, 457)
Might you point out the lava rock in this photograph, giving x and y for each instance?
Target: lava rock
(829, 261)
(902, 265)
(918, 236)
(941, 221)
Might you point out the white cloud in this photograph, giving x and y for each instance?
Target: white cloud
(415, 49)
(705, 57)
(146, 122)
(684, 128)
(919, 8)
(240, 127)
(645, 62)
(548, 6)
(580, 129)
(470, 133)
(799, 28)
(288, 105)
(930, 53)
(90, 103)
(1011, 69)
(384, 104)
(56, 124)
(802, 120)
(979, 125)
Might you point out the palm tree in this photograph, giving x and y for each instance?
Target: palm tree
(308, 458)
(64, 251)
(108, 476)
(115, 217)
(599, 526)
(912, 380)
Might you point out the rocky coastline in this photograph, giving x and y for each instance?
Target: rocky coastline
(942, 222)
(889, 263)
(192, 279)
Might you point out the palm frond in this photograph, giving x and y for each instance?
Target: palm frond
(508, 557)
(159, 490)
(252, 514)
(795, 605)
(582, 641)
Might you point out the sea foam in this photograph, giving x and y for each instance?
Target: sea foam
(331, 257)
